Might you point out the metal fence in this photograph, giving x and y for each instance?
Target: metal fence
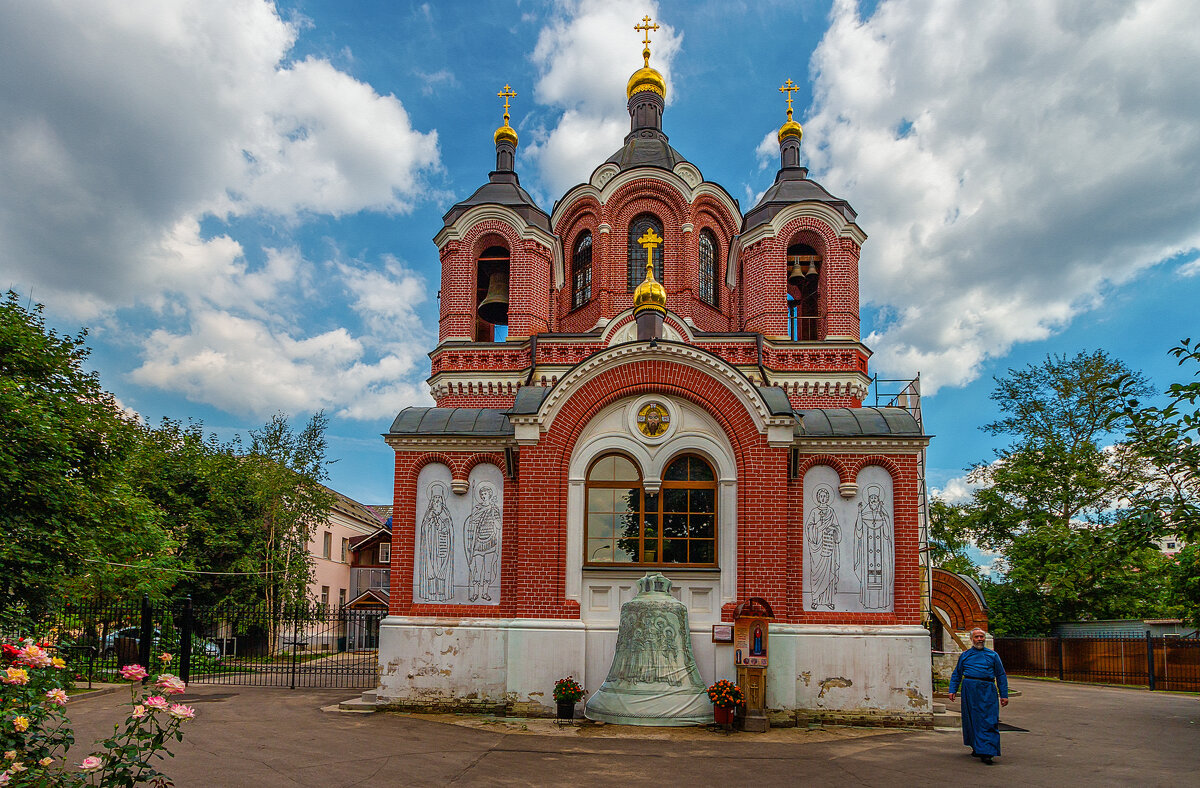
(310, 646)
(1162, 663)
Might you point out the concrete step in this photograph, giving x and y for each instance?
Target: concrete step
(946, 718)
(938, 708)
(365, 703)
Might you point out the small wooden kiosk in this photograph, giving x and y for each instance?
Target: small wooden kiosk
(751, 648)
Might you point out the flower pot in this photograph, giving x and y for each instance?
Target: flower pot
(723, 715)
(566, 709)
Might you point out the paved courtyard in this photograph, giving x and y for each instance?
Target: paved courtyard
(263, 737)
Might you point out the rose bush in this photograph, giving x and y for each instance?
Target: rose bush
(35, 732)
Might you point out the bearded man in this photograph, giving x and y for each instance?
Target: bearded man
(980, 673)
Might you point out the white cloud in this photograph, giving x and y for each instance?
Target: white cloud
(998, 156)
(1189, 269)
(959, 489)
(585, 57)
(122, 121)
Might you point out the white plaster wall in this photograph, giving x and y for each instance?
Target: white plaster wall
(881, 670)
(850, 668)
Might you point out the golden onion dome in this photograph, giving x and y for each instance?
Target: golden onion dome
(789, 129)
(506, 133)
(650, 294)
(646, 78)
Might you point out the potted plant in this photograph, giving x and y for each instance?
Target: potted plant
(724, 695)
(567, 693)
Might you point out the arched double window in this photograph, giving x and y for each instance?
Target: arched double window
(624, 524)
(708, 267)
(581, 270)
(637, 255)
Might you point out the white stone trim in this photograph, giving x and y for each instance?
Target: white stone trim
(687, 355)
(813, 209)
(607, 179)
(524, 230)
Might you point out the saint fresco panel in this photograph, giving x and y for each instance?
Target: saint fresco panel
(458, 537)
(849, 555)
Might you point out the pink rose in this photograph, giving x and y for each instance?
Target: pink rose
(165, 657)
(34, 657)
(4, 778)
(91, 763)
(181, 712)
(133, 673)
(139, 711)
(156, 702)
(57, 696)
(171, 685)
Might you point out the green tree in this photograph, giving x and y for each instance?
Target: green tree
(950, 529)
(62, 483)
(286, 470)
(1053, 499)
(1166, 440)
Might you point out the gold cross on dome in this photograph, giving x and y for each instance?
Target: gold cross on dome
(646, 27)
(789, 87)
(649, 240)
(506, 94)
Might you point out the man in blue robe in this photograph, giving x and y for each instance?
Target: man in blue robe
(979, 672)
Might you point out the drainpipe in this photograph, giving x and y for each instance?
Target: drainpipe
(758, 341)
(532, 358)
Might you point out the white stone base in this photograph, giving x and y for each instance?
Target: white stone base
(837, 673)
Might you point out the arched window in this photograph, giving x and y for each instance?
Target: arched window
(708, 267)
(804, 292)
(581, 270)
(637, 255)
(627, 525)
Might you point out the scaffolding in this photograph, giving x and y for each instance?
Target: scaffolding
(904, 393)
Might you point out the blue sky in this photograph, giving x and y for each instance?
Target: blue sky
(238, 198)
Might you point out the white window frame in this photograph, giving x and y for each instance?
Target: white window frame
(385, 553)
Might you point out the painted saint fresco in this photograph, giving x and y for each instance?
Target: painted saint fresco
(458, 537)
(849, 553)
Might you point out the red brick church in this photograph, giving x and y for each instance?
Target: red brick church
(649, 379)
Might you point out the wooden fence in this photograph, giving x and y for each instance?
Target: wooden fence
(1170, 663)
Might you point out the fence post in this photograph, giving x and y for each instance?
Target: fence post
(185, 642)
(1061, 658)
(295, 645)
(147, 633)
(1150, 660)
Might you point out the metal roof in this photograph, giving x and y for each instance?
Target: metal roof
(456, 422)
(792, 185)
(502, 188)
(857, 422)
(528, 400)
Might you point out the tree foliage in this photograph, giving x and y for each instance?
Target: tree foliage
(98, 505)
(1166, 440)
(1053, 502)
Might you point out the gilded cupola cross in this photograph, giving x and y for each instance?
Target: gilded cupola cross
(646, 27)
(789, 87)
(506, 94)
(648, 241)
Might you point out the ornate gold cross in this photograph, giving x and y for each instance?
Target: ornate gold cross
(506, 94)
(646, 27)
(789, 87)
(649, 240)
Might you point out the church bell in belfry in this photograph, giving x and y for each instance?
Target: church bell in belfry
(653, 679)
(493, 274)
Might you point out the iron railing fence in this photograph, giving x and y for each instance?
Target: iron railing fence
(305, 646)
(1160, 663)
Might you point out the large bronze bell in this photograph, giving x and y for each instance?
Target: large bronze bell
(653, 679)
(494, 306)
(801, 266)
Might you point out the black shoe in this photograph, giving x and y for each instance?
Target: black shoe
(974, 754)
(986, 759)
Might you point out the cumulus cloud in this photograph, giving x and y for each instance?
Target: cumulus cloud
(126, 125)
(585, 56)
(998, 155)
(122, 119)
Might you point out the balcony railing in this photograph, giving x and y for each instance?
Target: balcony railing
(362, 580)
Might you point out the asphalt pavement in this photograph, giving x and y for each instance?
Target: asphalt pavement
(1060, 734)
